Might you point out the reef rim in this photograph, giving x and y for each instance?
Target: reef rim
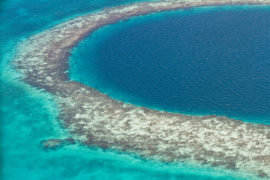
(95, 119)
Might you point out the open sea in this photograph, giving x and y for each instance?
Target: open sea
(146, 61)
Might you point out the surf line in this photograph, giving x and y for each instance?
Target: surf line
(94, 119)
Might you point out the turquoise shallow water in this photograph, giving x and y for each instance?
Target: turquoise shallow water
(29, 116)
(202, 61)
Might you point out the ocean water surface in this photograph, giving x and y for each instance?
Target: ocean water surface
(29, 116)
(200, 61)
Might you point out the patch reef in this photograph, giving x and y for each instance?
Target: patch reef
(94, 119)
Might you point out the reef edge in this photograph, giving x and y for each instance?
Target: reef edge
(95, 119)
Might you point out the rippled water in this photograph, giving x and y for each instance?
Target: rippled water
(29, 116)
(204, 61)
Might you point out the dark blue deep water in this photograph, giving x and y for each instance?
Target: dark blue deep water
(201, 61)
(28, 115)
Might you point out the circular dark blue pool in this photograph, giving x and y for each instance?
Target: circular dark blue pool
(201, 61)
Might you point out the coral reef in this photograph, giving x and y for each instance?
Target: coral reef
(95, 119)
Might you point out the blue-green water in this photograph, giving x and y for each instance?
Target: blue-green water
(204, 61)
(29, 116)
